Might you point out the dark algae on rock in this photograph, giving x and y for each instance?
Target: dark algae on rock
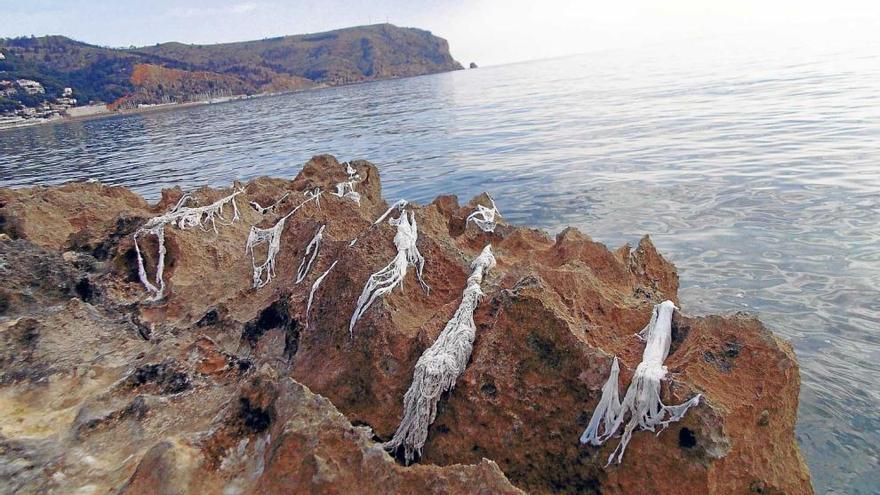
(218, 386)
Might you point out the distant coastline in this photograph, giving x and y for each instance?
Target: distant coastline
(165, 107)
(42, 79)
(134, 111)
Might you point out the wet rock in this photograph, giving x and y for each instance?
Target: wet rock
(215, 385)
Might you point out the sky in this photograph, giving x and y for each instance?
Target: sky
(487, 32)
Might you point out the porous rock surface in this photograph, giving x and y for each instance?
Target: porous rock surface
(215, 388)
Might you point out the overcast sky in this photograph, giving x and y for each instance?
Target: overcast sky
(483, 31)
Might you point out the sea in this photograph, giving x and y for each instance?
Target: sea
(754, 167)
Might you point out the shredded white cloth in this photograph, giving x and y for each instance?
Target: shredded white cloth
(642, 400)
(484, 217)
(263, 209)
(346, 189)
(182, 217)
(315, 288)
(389, 277)
(265, 272)
(311, 249)
(440, 365)
(399, 205)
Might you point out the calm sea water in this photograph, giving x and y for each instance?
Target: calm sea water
(756, 171)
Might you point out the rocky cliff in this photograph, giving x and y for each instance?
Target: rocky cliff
(220, 387)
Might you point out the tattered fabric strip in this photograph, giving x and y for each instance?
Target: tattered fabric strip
(346, 189)
(386, 279)
(311, 249)
(263, 209)
(315, 288)
(642, 400)
(484, 217)
(265, 272)
(399, 205)
(182, 217)
(440, 365)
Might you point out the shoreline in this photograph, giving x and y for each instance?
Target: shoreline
(136, 111)
(190, 104)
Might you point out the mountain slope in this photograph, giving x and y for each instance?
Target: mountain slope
(335, 57)
(174, 72)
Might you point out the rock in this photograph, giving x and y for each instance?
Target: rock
(473, 65)
(764, 418)
(216, 385)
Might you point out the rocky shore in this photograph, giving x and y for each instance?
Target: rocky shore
(220, 387)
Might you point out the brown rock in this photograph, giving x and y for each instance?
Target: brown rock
(211, 385)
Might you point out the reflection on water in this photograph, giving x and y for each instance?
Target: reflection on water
(758, 175)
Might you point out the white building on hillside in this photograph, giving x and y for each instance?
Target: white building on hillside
(30, 87)
(7, 88)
